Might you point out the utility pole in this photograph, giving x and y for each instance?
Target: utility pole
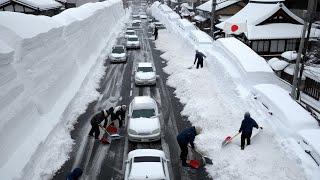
(213, 9)
(295, 85)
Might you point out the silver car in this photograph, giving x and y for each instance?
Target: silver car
(133, 42)
(118, 54)
(145, 74)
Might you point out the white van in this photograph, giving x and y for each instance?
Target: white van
(200, 39)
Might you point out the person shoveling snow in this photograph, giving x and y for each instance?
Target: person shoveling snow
(199, 58)
(246, 129)
(184, 138)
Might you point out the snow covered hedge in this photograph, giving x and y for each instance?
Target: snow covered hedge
(41, 59)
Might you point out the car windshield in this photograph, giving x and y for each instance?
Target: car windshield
(145, 69)
(145, 113)
(146, 159)
(130, 33)
(136, 24)
(133, 39)
(118, 50)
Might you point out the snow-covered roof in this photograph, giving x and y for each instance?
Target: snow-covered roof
(277, 31)
(277, 64)
(312, 72)
(290, 55)
(37, 4)
(249, 60)
(173, 15)
(200, 18)
(254, 13)
(4, 48)
(165, 8)
(207, 6)
(26, 26)
(289, 69)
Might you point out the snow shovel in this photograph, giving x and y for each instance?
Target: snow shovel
(191, 66)
(228, 139)
(205, 159)
(111, 133)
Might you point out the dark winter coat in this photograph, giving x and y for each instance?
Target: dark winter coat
(98, 118)
(187, 136)
(121, 114)
(199, 56)
(155, 31)
(75, 174)
(247, 125)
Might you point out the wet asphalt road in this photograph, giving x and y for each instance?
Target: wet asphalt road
(117, 87)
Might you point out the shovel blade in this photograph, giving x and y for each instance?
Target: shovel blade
(195, 164)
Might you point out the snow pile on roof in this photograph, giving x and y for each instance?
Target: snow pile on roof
(254, 13)
(43, 64)
(173, 16)
(199, 18)
(207, 6)
(165, 8)
(290, 55)
(37, 4)
(277, 64)
(248, 59)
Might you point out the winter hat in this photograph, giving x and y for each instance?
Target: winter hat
(246, 115)
(198, 130)
(124, 107)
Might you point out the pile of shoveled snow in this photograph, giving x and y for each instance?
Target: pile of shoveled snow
(44, 62)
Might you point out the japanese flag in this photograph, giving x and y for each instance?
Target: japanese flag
(234, 28)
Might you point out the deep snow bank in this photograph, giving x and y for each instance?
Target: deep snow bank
(217, 96)
(41, 58)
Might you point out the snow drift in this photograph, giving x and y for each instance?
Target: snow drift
(41, 58)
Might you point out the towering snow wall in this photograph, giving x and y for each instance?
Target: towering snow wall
(40, 57)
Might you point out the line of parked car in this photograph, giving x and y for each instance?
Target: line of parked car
(143, 114)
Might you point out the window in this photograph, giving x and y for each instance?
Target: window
(274, 46)
(281, 45)
(260, 46)
(255, 46)
(146, 159)
(291, 44)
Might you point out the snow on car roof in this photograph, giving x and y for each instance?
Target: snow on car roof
(151, 170)
(146, 152)
(289, 112)
(141, 102)
(311, 136)
(130, 30)
(248, 59)
(207, 6)
(144, 64)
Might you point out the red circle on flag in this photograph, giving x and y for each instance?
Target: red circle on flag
(234, 28)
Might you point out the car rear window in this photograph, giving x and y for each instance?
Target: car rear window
(146, 113)
(133, 39)
(130, 33)
(136, 24)
(145, 69)
(146, 159)
(118, 50)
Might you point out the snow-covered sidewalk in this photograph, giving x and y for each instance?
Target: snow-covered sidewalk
(213, 102)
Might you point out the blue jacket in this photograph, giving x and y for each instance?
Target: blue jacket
(247, 125)
(75, 174)
(187, 136)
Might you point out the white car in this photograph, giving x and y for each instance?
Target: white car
(145, 74)
(147, 164)
(130, 33)
(143, 123)
(135, 16)
(143, 16)
(133, 42)
(118, 54)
